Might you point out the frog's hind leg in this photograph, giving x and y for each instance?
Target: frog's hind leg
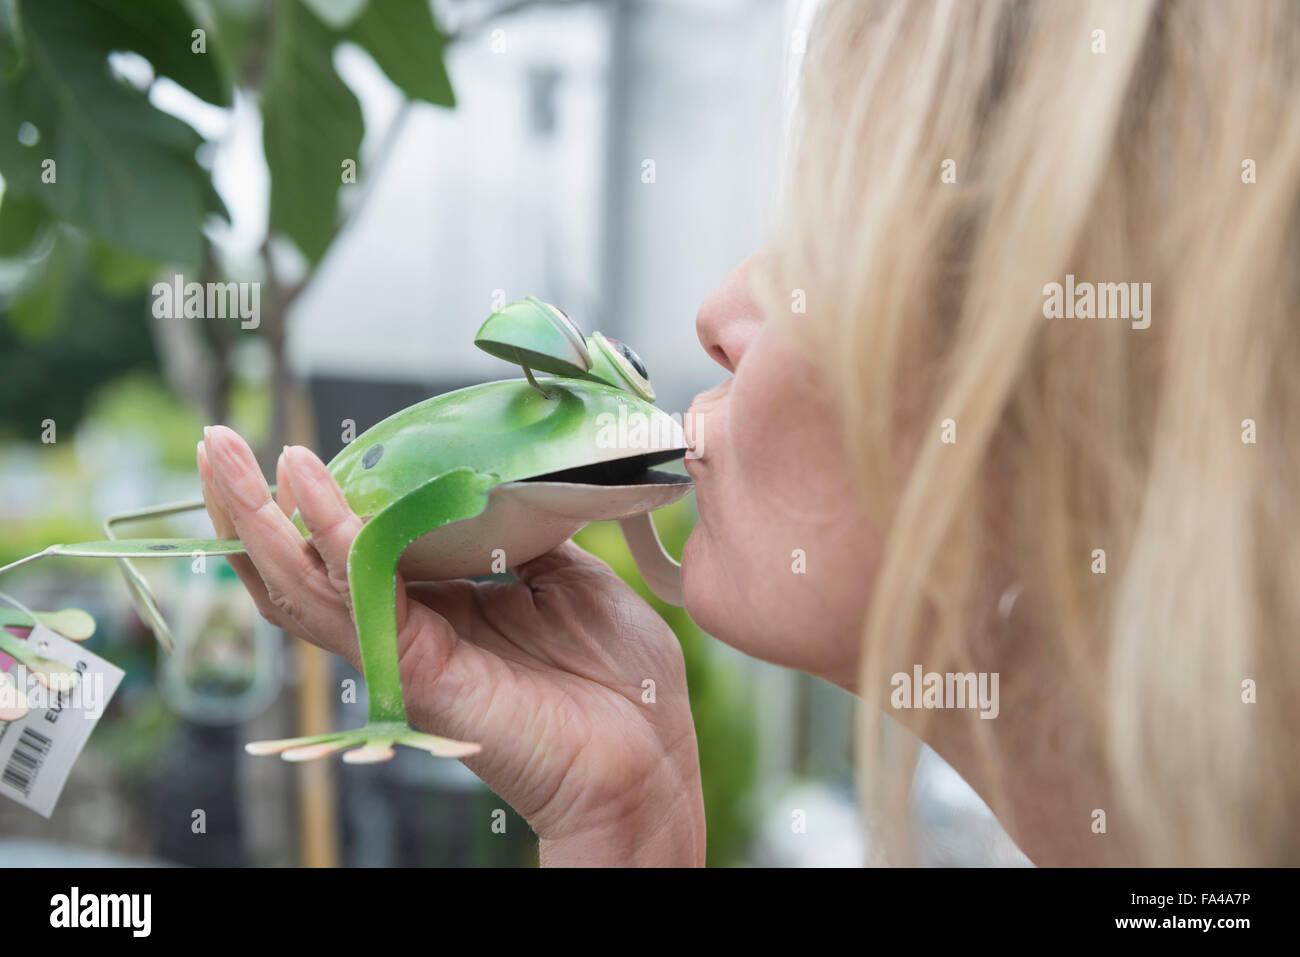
(372, 579)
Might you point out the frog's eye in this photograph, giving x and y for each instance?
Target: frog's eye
(563, 318)
(627, 364)
(633, 358)
(535, 334)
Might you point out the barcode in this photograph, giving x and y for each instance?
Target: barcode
(29, 754)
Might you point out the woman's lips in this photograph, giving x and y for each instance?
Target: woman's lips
(692, 428)
(696, 421)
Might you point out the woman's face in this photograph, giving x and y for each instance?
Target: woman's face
(782, 560)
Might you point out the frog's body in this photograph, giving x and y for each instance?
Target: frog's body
(510, 430)
(472, 481)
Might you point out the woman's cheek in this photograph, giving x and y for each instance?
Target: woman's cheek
(811, 543)
(776, 566)
(784, 437)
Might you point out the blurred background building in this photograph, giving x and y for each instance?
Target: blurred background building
(617, 157)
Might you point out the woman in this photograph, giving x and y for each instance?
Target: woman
(934, 456)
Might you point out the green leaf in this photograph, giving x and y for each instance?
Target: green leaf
(162, 32)
(311, 123)
(123, 170)
(408, 46)
(237, 22)
(40, 303)
(65, 369)
(22, 219)
(119, 272)
(11, 40)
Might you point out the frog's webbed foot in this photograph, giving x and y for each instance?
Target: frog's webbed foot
(371, 743)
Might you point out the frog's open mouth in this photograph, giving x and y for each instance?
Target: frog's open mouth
(633, 470)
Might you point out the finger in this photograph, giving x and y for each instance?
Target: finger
(243, 566)
(283, 493)
(333, 526)
(295, 577)
(216, 506)
(325, 511)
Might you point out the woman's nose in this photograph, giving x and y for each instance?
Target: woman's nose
(728, 318)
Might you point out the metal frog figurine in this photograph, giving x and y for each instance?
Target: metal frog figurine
(518, 465)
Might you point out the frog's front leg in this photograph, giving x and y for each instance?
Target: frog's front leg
(372, 579)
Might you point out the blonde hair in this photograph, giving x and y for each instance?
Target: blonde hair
(1163, 149)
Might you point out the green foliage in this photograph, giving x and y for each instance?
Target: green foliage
(136, 403)
(141, 403)
(407, 46)
(22, 218)
(66, 358)
(123, 170)
(81, 148)
(11, 56)
(31, 536)
(724, 727)
(311, 124)
(126, 194)
(40, 301)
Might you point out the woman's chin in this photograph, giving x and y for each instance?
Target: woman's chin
(697, 594)
(707, 595)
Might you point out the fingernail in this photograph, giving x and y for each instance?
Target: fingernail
(297, 452)
(291, 469)
(305, 487)
(215, 446)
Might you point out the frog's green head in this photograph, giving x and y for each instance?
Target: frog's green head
(537, 335)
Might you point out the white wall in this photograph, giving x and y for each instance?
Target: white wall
(477, 199)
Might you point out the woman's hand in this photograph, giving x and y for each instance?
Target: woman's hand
(545, 672)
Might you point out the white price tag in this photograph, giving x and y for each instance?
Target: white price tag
(38, 750)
